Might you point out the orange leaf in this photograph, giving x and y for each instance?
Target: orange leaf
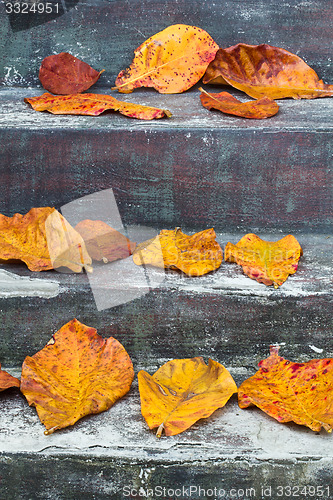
(65, 74)
(103, 242)
(263, 70)
(225, 102)
(181, 392)
(194, 255)
(77, 373)
(7, 381)
(42, 239)
(93, 105)
(171, 61)
(292, 392)
(265, 261)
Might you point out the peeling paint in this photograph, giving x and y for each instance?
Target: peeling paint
(13, 285)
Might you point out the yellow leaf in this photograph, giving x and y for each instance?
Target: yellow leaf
(181, 392)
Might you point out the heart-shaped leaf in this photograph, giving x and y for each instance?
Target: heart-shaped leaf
(263, 70)
(43, 239)
(65, 74)
(225, 102)
(267, 262)
(103, 242)
(76, 374)
(292, 392)
(195, 255)
(181, 392)
(171, 61)
(93, 105)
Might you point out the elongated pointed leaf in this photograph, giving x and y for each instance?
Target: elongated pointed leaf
(171, 61)
(181, 392)
(195, 255)
(226, 103)
(263, 70)
(65, 74)
(93, 105)
(267, 262)
(76, 374)
(292, 392)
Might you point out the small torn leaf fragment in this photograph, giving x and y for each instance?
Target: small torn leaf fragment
(263, 70)
(226, 103)
(181, 392)
(7, 380)
(77, 373)
(194, 255)
(267, 262)
(171, 61)
(65, 74)
(292, 392)
(93, 105)
(103, 242)
(43, 239)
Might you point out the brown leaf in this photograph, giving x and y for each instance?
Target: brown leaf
(7, 381)
(77, 373)
(195, 255)
(263, 70)
(181, 392)
(171, 61)
(267, 262)
(292, 392)
(65, 74)
(225, 102)
(93, 105)
(42, 239)
(103, 242)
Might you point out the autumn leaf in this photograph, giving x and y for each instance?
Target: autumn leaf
(265, 261)
(103, 242)
(292, 392)
(7, 380)
(171, 61)
(225, 102)
(93, 105)
(263, 70)
(195, 255)
(76, 374)
(42, 239)
(181, 392)
(65, 74)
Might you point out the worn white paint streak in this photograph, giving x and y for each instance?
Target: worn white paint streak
(13, 285)
(316, 349)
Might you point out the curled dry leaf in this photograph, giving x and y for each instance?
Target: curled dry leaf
(265, 261)
(292, 392)
(93, 105)
(76, 374)
(103, 242)
(65, 74)
(225, 102)
(43, 239)
(171, 61)
(195, 255)
(7, 380)
(263, 70)
(181, 392)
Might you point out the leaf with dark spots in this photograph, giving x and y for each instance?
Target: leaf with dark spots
(171, 61)
(76, 374)
(93, 105)
(7, 380)
(65, 74)
(263, 70)
(226, 103)
(292, 392)
(181, 392)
